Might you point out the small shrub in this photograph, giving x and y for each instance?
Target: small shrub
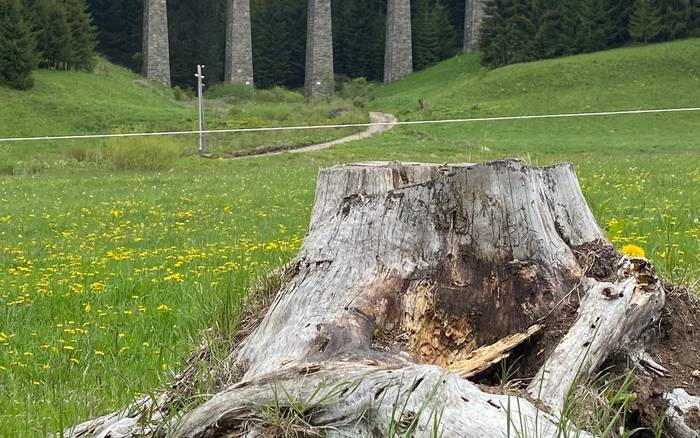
(424, 106)
(142, 153)
(359, 102)
(182, 93)
(231, 91)
(278, 94)
(78, 153)
(358, 88)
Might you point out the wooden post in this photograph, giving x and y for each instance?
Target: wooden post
(200, 94)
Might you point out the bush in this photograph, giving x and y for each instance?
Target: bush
(231, 91)
(278, 94)
(237, 92)
(358, 89)
(182, 93)
(78, 153)
(142, 153)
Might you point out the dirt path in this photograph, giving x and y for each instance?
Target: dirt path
(384, 122)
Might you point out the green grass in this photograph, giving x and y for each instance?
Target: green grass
(107, 277)
(67, 103)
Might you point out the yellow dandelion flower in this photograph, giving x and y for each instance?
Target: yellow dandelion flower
(631, 250)
(163, 308)
(99, 353)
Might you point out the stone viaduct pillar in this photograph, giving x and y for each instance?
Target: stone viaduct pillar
(473, 16)
(156, 47)
(319, 51)
(398, 54)
(239, 45)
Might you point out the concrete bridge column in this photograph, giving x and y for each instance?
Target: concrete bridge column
(474, 14)
(398, 54)
(156, 47)
(239, 45)
(319, 51)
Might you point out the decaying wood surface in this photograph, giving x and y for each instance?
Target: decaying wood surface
(611, 316)
(409, 276)
(683, 414)
(485, 357)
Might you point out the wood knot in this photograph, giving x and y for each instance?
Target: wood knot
(611, 294)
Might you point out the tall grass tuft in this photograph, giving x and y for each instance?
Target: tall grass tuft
(142, 153)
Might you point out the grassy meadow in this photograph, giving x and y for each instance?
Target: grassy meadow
(109, 274)
(114, 100)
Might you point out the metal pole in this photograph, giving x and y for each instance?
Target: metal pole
(200, 95)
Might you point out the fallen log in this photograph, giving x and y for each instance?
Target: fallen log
(411, 277)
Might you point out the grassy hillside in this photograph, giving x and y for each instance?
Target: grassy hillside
(114, 99)
(67, 102)
(643, 77)
(107, 278)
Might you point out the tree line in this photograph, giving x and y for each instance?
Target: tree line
(63, 34)
(55, 34)
(198, 29)
(526, 30)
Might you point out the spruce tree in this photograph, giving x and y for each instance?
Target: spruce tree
(358, 34)
(556, 33)
(342, 32)
(278, 42)
(212, 38)
(17, 46)
(493, 41)
(83, 35)
(425, 36)
(520, 27)
(507, 31)
(119, 30)
(675, 15)
(447, 37)
(694, 18)
(594, 26)
(620, 11)
(54, 35)
(645, 21)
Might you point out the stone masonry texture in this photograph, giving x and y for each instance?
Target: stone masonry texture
(319, 51)
(398, 55)
(156, 48)
(239, 46)
(474, 14)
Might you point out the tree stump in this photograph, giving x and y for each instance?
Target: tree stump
(412, 277)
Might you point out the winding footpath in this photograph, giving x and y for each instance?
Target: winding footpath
(381, 122)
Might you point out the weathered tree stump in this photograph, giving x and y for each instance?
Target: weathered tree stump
(412, 277)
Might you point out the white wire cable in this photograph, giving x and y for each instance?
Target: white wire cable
(350, 125)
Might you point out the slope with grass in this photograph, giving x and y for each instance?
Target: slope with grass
(113, 99)
(107, 277)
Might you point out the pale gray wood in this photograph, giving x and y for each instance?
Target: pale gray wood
(610, 317)
(681, 406)
(352, 399)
